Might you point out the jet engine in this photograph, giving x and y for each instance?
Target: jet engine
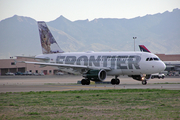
(95, 75)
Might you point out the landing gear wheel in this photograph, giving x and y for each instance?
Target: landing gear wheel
(144, 82)
(85, 82)
(115, 81)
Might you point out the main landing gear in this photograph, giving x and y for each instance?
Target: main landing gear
(115, 81)
(85, 81)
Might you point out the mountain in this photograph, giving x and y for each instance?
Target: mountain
(20, 36)
(160, 33)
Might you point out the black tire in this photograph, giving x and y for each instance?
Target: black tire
(113, 81)
(117, 82)
(87, 82)
(83, 82)
(144, 82)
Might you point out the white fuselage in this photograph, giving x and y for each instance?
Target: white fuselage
(120, 63)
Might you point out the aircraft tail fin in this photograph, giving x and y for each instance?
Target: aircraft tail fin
(143, 49)
(48, 43)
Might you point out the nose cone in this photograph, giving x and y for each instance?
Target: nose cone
(162, 66)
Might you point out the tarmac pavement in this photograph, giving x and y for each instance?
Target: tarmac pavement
(69, 82)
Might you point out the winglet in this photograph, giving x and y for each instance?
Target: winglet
(143, 49)
(48, 43)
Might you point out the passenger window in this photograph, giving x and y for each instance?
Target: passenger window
(147, 59)
(150, 59)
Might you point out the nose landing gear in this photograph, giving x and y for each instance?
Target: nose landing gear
(144, 82)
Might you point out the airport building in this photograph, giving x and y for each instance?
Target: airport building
(169, 57)
(9, 65)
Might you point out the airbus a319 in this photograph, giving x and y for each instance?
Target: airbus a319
(95, 66)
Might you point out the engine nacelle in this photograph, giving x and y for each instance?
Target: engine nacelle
(141, 77)
(95, 75)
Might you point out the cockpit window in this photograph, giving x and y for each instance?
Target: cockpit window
(152, 59)
(156, 59)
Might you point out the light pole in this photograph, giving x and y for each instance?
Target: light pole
(134, 42)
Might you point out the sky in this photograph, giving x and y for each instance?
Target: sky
(48, 10)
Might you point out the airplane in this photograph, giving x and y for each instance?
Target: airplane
(95, 66)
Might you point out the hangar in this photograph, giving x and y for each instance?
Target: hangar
(8, 65)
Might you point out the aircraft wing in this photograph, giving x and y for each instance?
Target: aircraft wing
(66, 65)
(33, 58)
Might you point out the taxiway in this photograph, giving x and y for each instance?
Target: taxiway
(69, 82)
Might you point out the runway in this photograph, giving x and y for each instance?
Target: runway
(69, 82)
